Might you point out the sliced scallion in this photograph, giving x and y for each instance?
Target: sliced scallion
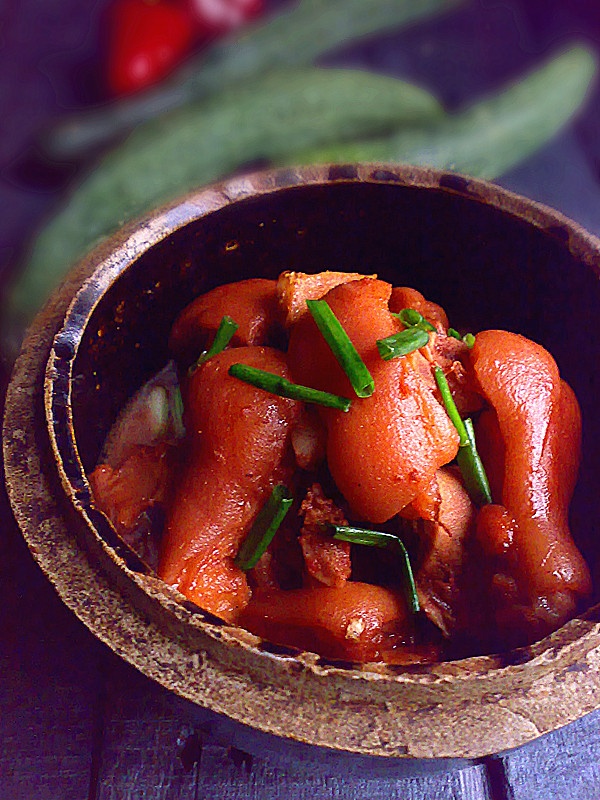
(275, 384)
(468, 338)
(471, 466)
(264, 528)
(342, 348)
(411, 318)
(379, 539)
(402, 343)
(472, 470)
(227, 327)
(450, 405)
(176, 408)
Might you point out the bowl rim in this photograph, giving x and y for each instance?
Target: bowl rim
(215, 653)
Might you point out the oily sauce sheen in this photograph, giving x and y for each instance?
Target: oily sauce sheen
(487, 577)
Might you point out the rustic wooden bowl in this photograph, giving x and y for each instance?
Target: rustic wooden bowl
(492, 259)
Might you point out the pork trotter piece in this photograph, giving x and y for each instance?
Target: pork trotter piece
(252, 304)
(355, 621)
(239, 450)
(445, 540)
(387, 447)
(534, 456)
(326, 559)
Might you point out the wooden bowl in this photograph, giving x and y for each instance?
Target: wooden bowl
(490, 258)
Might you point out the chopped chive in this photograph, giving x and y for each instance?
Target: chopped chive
(468, 338)
(227, 327)
(450, 405)
(410, 588)
(264, 528)
(342, 348)
(472, 470)
(379, 539)
(402, 343)
(275, 384)
(471, 466)
(409, 316)
(412, 318)
(363, 536)
(176, 409)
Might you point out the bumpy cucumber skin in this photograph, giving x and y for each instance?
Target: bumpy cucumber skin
(302, 117)
(491, 136)
(269, 119)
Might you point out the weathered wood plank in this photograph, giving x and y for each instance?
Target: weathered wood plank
(48, 683)
(145, 748)
(236, 778)
(561, 765)
(156, 746)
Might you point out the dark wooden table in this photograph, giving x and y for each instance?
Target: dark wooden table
(77, 722)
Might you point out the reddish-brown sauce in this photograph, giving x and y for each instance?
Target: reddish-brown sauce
(486, 578)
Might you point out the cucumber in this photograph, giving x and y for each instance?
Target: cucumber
(491, 136)
(293, 37)
(269, 119)
(301, 117)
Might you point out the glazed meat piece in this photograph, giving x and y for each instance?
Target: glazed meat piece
(442, 350)
(123, 493)
(354, 622)
(388, 446)
(132, 482)
(327, 560)
(295, 288)
(309, 439)
(533, 458)
(487, 577)
(238, 451)
(445, 541)
(252, 304)
(426, 504)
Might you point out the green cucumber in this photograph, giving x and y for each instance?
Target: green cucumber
(270, 119)
(293, 37)
(491, 136)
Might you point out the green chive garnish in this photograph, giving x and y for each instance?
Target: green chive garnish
(402, 343)
(177, 413)
(411, 318)
(380, 539)
(473, 471)
(342, 348)
(227, 327)
(451, 408)
(468, 338)
(275, 384)
(264, 528)
(471, 466)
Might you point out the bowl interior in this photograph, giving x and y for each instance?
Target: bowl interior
(486, 267)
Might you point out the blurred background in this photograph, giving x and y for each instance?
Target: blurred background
(110, 107)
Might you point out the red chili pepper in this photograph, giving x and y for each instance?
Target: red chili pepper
(146, 41)
(219, 16)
